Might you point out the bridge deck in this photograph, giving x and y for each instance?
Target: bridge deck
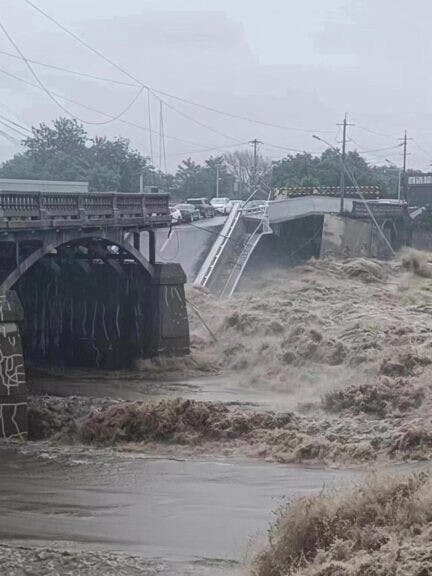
(47, 210)
(292, 208)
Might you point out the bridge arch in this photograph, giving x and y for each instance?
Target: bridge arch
(88, 300)
(116, 304)
(51, 245)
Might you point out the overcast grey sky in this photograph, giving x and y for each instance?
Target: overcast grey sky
(296, 64)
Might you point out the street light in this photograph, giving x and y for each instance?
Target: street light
(399, 178)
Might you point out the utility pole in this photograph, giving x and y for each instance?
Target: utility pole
(141, 182)
(405, 154)
(255, 144)
(342, 177)
(217, 181)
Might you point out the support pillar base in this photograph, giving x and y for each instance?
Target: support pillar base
(13, 389)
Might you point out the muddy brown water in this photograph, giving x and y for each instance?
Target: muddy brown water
(175, 510)
(180, 512)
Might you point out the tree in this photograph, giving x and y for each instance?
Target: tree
(65, 152)
(325, 170)
(241, 165)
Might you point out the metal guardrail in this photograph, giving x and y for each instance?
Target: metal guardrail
(27, 210)
(210, 262)
(380, 209)
(248, 248)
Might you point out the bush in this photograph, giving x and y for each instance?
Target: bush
(328, 530)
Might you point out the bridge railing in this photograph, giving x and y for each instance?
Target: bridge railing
(54, 209)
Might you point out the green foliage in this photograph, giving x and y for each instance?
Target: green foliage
(325, 170)
(192, 179)
(65, 152)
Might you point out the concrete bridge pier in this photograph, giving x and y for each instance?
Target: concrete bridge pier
(13, 389)
(171, 326)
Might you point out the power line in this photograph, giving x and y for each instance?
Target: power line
(112, 63)
(13, 129)
(425, 152)
(83, 42)
(15, 124)
(70, 71)
(212, 149)
(285, 148)
(155, 91)
(51, 94)
(375, 149)
(195, 121)
(10, 138)
(92, 109)
(375, 132)
(360, 193)
(237, 116)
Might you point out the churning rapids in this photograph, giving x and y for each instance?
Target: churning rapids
(176, 467)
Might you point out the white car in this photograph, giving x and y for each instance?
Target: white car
(222, 205)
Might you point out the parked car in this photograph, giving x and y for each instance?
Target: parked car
(176, 216)
(203, 205)
(189, 213)
(222, 205)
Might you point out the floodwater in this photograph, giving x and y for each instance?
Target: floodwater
(130, 385)
(179, 511)
(190, 516)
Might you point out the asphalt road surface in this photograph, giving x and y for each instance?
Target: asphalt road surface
(187, 245)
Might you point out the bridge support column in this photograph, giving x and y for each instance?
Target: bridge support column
(171, 326)
(13, 389)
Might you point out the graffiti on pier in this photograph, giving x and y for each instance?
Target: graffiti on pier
(13, 390)
(12, 376)
(12, 421)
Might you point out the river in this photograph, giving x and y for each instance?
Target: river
(178, 511)
(202, 516)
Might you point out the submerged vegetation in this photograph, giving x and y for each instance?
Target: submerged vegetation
(383, 528)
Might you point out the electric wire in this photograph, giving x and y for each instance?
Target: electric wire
(155, 91)
(92, 109)
(51, 95)
(425, 152)
(10, 138)
(23, 134)
(374, 132)
(360, 194)
(15, 124)
(201, 150)
(70, 71)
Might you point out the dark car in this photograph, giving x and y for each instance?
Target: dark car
(189, 213)
(203, 205)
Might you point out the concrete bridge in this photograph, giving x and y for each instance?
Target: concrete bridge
(75, 288)
(288, 230)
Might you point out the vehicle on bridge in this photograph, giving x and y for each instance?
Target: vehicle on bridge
(222, 205)
(188, 213)
(203, 205)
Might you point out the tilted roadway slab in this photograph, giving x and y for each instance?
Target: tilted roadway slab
(187, 245)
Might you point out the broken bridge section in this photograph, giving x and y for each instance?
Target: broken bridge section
(75, 287)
